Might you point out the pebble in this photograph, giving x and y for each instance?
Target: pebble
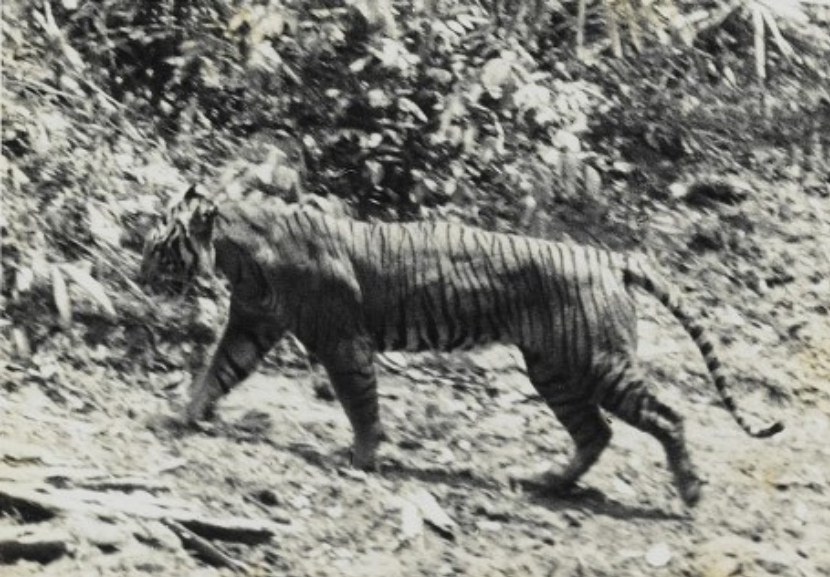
(658, 555)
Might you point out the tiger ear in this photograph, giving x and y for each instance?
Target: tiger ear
(192, 193)
(202, 218)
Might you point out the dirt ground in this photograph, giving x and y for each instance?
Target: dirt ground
(765, 510)
(278, 453)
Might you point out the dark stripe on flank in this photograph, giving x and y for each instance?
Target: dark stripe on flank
(556, 311)
(500, 320)
(430, 320)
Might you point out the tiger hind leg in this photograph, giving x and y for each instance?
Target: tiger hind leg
(351, 369)
(244, 343)
(586, 426)
(627, 397)
(581, 417)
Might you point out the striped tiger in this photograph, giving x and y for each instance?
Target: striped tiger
(348, 290)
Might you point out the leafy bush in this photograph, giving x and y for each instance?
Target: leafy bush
(472, 113)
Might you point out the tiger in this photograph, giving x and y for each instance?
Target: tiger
(348, 290)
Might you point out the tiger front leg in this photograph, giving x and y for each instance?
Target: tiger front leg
(591, 434)
(351, 369)
(244, 343)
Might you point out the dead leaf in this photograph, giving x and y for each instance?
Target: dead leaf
(21, 343)
(406, 105)
(61, 295)
(91, 287)
(412, 522)
(103, 226)
(496, 74)
(24, 278)
(529, 205)
(593, 182)
(433, 513)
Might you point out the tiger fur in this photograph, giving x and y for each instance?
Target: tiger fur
(348, 290)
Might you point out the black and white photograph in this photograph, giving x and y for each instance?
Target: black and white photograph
(415, 288)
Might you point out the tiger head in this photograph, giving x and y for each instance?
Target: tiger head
(181, 245)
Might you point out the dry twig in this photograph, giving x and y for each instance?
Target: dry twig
(205, 549)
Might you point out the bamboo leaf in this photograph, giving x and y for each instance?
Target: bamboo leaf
(593, 182)
(433, 513)
(406, 105)
(760, 44)
(91, 287)
(104, 227)
(23, 280)
(61, 295)
(613, 29)
(792, 10)
(784, 46)
(580, 30)
(22, 348)
(634, 27)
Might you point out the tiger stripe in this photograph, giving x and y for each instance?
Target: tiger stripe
(348, 290)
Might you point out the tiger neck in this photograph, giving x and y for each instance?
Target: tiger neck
(228, 256)
(272, 238)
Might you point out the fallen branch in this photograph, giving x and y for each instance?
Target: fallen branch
(205, 549)
(126, 484)
(247, 531)
(46, 502)
(31, 474)
(81, 477)
(40, 544)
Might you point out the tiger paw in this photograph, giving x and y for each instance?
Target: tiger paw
(548, 483)
(196, 413)
(165, 424)
(365, 448)
(362, 460)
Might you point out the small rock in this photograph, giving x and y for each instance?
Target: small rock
(267, 497)
(658, 555)
(566, 141)
(433, 513)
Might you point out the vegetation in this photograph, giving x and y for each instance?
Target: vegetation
(504, 115)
